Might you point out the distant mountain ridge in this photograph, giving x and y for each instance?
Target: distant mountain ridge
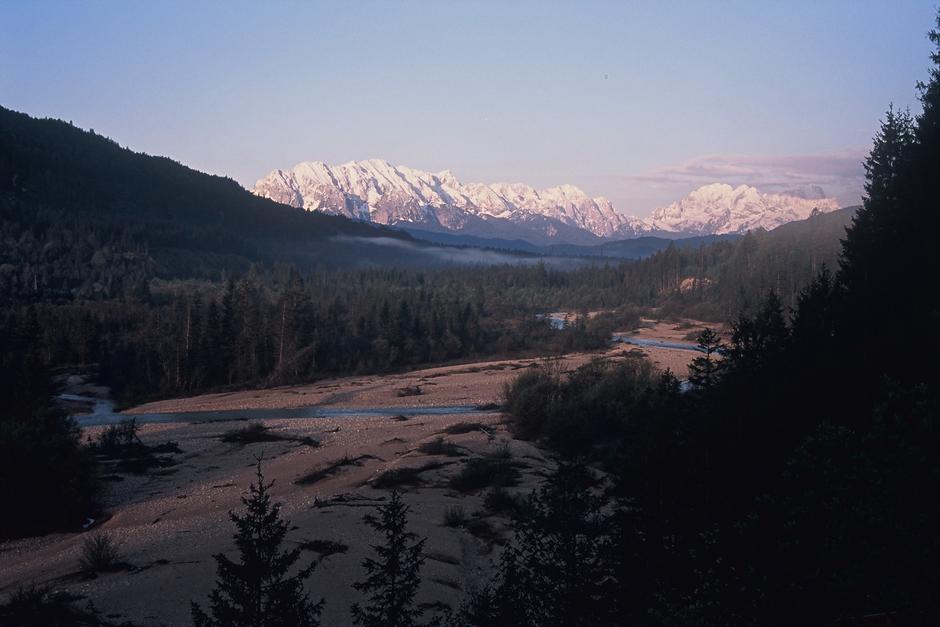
(377, 191)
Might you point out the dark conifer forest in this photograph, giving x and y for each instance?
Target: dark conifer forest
(795, 479)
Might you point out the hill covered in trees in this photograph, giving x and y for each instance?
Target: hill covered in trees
(82, 216)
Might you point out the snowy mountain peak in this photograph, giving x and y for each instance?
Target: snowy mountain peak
(719, 208)
(377, 191)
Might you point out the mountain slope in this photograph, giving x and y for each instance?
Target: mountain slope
(82, 217)
(377, 191)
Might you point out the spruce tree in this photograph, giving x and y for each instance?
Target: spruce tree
(393, 576)
(705, 369)
(258, 591)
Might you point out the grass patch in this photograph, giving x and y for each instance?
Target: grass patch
(455, 516)
(324, 548)
(484, 530)
(500, 501)
(485, 472)
(409, 390)
(249, 434)
(464, 427)
(398, 477)
(330, 469)
(440, 446)
(44, 606)
(500, 452)
(255, 432)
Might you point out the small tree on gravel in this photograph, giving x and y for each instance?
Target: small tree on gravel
(258, 591)
(393, 577)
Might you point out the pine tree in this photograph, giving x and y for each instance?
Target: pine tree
(393, 577)
(258, 591)
(705, 369)
(874, 225)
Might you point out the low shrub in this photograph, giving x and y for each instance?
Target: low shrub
(99, 554)
(121, 435)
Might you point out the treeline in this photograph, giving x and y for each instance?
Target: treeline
(275, 328)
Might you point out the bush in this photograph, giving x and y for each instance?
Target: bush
(121, 435)
(575, 411)
(530, 398)
(99, 554)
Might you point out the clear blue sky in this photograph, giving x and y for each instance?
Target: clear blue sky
(638, 101)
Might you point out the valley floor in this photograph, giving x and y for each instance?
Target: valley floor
(170, 521)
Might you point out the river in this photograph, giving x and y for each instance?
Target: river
(103, 413)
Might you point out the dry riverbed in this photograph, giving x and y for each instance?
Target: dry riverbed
(172, 519)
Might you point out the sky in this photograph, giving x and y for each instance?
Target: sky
(640, 102)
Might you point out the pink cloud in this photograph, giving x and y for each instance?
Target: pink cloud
(838, 174)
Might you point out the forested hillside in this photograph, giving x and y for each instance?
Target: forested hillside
(82, 217)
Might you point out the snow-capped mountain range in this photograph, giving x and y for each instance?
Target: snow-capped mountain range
(376, 191)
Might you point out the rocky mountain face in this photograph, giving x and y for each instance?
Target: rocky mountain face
(376, 191)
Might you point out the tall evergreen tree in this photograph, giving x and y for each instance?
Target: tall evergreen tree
(393, 576)
(258, 591)
(705, 369)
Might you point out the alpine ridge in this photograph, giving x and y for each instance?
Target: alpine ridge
(376, 191)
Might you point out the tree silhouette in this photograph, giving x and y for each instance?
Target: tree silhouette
(393, 577)
(705, 369)
(258, 591)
